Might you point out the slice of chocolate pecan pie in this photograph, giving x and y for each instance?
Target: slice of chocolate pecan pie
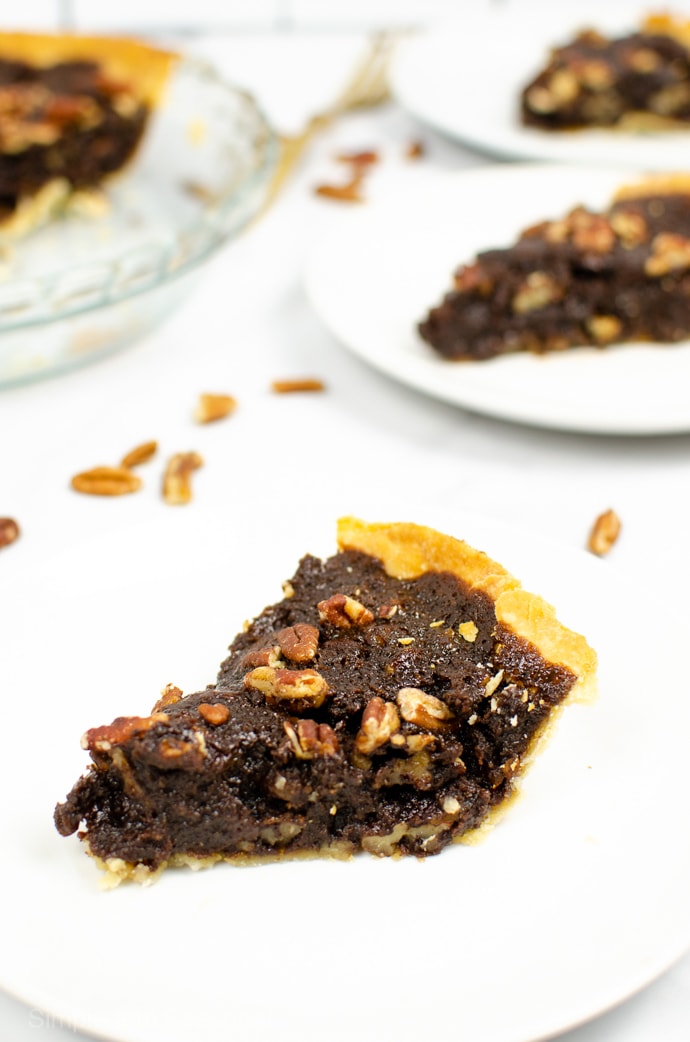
(72, 112)
(584, 279)
(386, 704)
(639, 81)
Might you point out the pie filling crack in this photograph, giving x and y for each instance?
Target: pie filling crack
(388, 703)
(73, 110)
(584, 279)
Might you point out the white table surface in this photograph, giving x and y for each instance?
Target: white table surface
(248, 323)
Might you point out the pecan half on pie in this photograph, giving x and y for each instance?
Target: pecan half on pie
(388, 703)
(587, 278)
(640, 81)
(72, 112)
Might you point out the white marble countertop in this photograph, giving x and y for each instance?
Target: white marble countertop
(249, 322)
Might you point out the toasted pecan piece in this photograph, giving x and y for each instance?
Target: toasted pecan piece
(106, 481)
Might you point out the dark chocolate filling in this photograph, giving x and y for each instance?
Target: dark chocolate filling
(613, 283)
(242, 790)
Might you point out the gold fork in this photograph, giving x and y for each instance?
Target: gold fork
(367, 87)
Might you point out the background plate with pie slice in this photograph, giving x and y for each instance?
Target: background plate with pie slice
(465, 77)
(373, 278)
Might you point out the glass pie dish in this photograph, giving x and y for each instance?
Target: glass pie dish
(100, 276)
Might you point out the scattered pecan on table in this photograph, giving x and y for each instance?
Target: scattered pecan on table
(301, 384)
(351, 192)
(106, 481)
(212, 407)
(177, 479)
(604, 533)
(9, 531)
(140, 454)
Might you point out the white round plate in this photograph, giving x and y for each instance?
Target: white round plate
(373, 277)
(465, 78)
(574, 901)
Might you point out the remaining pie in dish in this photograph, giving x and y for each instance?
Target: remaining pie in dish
(72, 112)
(639, 81)
(388, 703)
(584, 279)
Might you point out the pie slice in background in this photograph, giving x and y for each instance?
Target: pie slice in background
(72, 111)
(639, 81)
(586, 278)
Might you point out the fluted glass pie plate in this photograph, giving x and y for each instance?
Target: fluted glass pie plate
(93, 280)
